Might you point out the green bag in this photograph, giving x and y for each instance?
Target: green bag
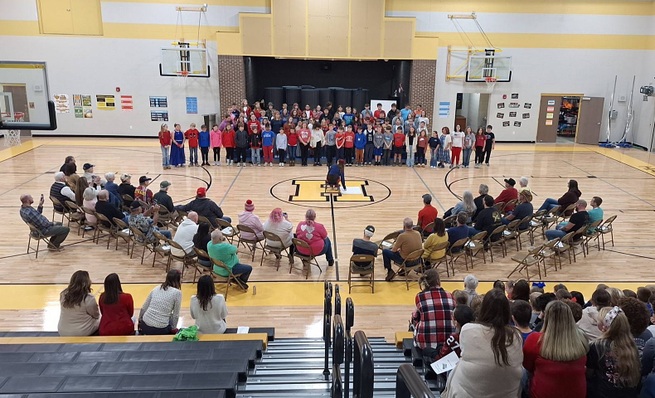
(187, 334)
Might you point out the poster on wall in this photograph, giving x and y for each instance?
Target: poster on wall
(527, 105)
(506, 124)
(550, 109)
(526, 116)
(444, 109)
(77, 106)
(549, 122)
(158, 102)
(127, 103)
(551, 102)
(515, 95)
(105, 102)
(192, 105)
(500, 115)
(87, 109)
(549, 115)
(159, 116)
(514, 105)
(62, 103)
(500, 105)
(517, 124)
(512, 114)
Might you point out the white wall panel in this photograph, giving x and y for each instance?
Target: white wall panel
(23, 10)
(148, 13)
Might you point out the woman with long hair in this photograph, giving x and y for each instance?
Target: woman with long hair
(570, 197)
(200, 240)
(467, 205)
(490, 365)
(613, 368)
(79, 311)
(161, 311)
(430, 254)
(117, 309)
(480, 140)
(556, 356)
(208, 308)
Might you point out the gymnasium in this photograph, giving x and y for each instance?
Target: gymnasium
(567, 87)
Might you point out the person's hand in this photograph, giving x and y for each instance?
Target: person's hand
(41, 201)
(156, 208)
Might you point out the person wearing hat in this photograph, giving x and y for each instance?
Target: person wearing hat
(427, 214)
(204, 207)
(142, 192)
(145, 223)
(509, 193)
(250, 219)
(522, 210)
(364, 245)
(162, 198)
(126, 187)
(88, 172)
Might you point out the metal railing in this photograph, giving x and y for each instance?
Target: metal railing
(363, 371)
(337, 356)
(409, 383)
(327, 317)
(348, 359)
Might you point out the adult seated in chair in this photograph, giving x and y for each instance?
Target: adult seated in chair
(104, 207)
(483, 190)
(364, 245)
(488, 219)
(161, 310)
(55, 231)
(596, 213)
(249, 219)
(461, 231)
(62, 192)
(185, 233)
(335, 175)
(467, 205)
(509, 193)
(570, 197)
(114, 196)
(126, 187)
(523, 184)
(163, 199)
(205, 207)
(522, 210)
(142, 192)
(437, 237)
(143, 222)
(69, 165)
(433, 316)
(200, 241)
(316, 237)
(407, 242)
(219, 249)
(427, 214)
(278, 223)
(577, 220)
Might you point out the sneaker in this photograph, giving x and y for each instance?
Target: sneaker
(270, 164)
(330, 263)
(487, 164)
(390, 275)
(244, 285)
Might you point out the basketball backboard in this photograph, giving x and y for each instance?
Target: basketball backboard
(184, 61)
(24, 99)
(481, 67)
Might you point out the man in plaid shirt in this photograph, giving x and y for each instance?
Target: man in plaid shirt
(433, 318)
(55, 231)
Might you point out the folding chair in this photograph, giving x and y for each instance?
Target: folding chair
(307, 259)
(187, 259)
(388, 241)
(592, 234)
(161, 247)
(512, 231)
(229, 279)
(475, 245)
(229, 231)
(139, 239)
(278, 249)
(549, 219)
(527, 260)
(250, 244)
(450, 221)
(89, 212)
(38, 236)
(564, 246)
(367, 270)
(525, 221)
(127, 199)
(498, 231)
(455, 251)
(204, 270)
(434, 264)
(548, 251)
(65, 212)
(536, 223)
(606, 228)
(123, 232)
(509, 205)
(414, 261)
(577, 241)
(77, 215)
(104, 226)
(424, 231)
(499, 206)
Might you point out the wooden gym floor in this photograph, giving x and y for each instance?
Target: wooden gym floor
(624, 178)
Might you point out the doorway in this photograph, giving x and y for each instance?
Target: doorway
(18, 97)
(471, 110)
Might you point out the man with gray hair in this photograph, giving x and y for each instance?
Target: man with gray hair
(184, 234)
(523, 184)
(53, 230)
(470, 284)
(104, 207)
(62, 192)
(408, 241)
(483, 190)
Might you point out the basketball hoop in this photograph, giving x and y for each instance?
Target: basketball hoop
(491, 82)
(184, 73)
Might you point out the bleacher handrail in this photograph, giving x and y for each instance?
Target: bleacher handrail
(350, 314)
(327, 316)
(409, 383)
(338, 339)
(363, 371)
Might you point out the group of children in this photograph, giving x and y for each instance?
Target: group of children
(369, 138)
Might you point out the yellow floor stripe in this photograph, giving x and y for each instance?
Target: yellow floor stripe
(268, 294)
(10, 152)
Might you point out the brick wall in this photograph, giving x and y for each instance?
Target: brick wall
(421, 86)
(231, 81)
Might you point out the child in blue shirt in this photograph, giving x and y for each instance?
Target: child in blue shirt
(268, 137)
(203, 142)
(360, 144)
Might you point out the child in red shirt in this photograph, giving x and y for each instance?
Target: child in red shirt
(349, 145)
(229, 144)
(462, 315)
(253, 125)
(165, 139)
(420, 148)
(340, 139)
(191, 136)
(292, 142)
(398, 143)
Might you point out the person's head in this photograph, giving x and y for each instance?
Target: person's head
(144, 181)
(533, 299)
(460, 297)
(135, 208)
(112, 289)
(509, 182)
(126, 178)
(498, 284)
(489, 128)
(163, 186)
(103, 195)
(495, 314)
(173, 279)
(69, 159)
(616, 294)
(521, 290)
(573, 185)
(205, 292)
(432, 278)
(427, 199)
(483, 189)
(249, 206)
(480, 131)
(369, 231)
(637, 313)
(471, 282)
(310, 216)
(89, 193)
(110, 177)
(643, 294)
(445, 130)
(78, 288)
(476, 303)
(596, 201)
(469, 203)
(542, 301)
(276, 216)
(88, 167)
(577, 297)
(201, 192)
(559, 286)
(60, 177)
(561, 339)
(408, 225)
(521, 313)
(537, 289)
(629, 293)
(217, 237)
(525, 196)
(163, 127)
(203, 230)
(581, 205)
(193, 216)
(523, 182)
(600, 298)
(462, 315)
(616, 330)
(576, 309)
(488, 201)
(562, 294)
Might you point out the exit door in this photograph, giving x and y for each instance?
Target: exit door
(548, 117)
(591, 116)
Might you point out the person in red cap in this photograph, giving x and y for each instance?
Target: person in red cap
(250, 219)
(204, 207)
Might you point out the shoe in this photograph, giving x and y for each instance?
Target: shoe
(487, 164)
(331, 263)
(244, 286)
(390, 275)
(270, 164)
(401, 272)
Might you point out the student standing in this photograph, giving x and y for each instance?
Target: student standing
(349, 145)
(281, 145)
(255, 148)
(457, 142)
(191, 135)
(268, 139)
(330, 144)
(434, 143)
(340, 140)
(177, 149)
(469, 142)
(410, 145)
(204, 142)
(398, 143)
(387, 146)
(165, 143)
(229, 144)
(241, 140)
(304, 138)
(316, 143)
(489, 145)
(378, 143)
(216, 139)
(444, 149)
(360, 145)
(370, 145)
(480, 140)
(292, 141)
(421, 145)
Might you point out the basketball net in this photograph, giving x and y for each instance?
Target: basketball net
(491, 82)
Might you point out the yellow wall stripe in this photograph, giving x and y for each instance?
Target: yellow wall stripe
(600, 7)
(198, 3)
